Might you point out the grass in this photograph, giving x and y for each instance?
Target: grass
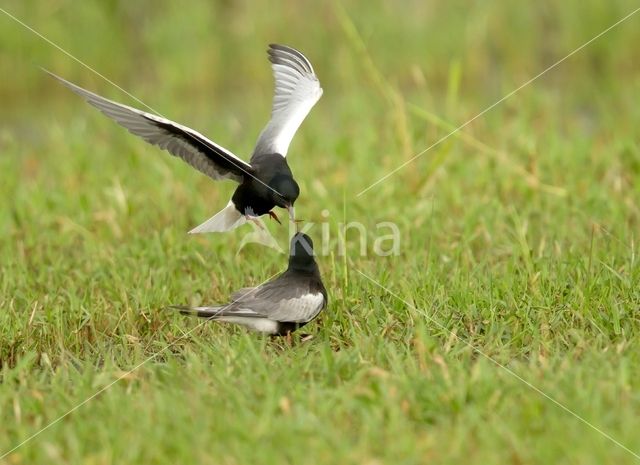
(519, 237)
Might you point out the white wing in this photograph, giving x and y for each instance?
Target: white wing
(225, 220)
(194, 148)
(297, 91)
(298, 309)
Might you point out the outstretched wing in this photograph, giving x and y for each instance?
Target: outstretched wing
(297, 91)
(194, 148)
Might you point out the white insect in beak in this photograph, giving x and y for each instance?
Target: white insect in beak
(292, 213)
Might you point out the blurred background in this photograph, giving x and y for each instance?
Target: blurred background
(553, 161)
(535, 177)
(396, 79)
(519, 231)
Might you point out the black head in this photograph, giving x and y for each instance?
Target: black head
(301, 252)
(286, 190)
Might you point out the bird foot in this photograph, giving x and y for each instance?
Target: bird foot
(256, 220)
(273, 215)
(306, 337)
(297, 224)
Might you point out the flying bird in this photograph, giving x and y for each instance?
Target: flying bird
(266, 180)
(280, 306)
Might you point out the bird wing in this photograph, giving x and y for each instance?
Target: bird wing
(242, 293)
(280, 300)
(203, 154)
(216, 312)
(283, 300)
(297, 90)
(300, 309)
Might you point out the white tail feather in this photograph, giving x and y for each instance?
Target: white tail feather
(225, 220)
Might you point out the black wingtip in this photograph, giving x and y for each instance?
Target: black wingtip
(70, 85)
(183, 309)
(277, 52)
(54, 75)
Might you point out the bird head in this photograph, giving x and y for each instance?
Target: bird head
(284, 193)
(301, 252)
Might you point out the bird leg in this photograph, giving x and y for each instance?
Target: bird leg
(306, 337)
(256, 220)
(273, 215)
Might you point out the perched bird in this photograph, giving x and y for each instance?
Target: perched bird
(266, 181)
(280, 306)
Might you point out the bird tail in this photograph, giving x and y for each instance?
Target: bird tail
(203, 312)
(225, 220)
(247, 318)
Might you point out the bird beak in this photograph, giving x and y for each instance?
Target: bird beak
(292, 213)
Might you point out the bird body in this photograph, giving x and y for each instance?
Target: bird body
(266, 181)
(274, 184)
(280, 306)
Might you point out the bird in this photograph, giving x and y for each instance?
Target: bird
(280, 306)
(266, 181)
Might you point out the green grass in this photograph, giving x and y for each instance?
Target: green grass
(519, 237)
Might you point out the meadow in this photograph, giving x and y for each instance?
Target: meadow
(506, 329)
